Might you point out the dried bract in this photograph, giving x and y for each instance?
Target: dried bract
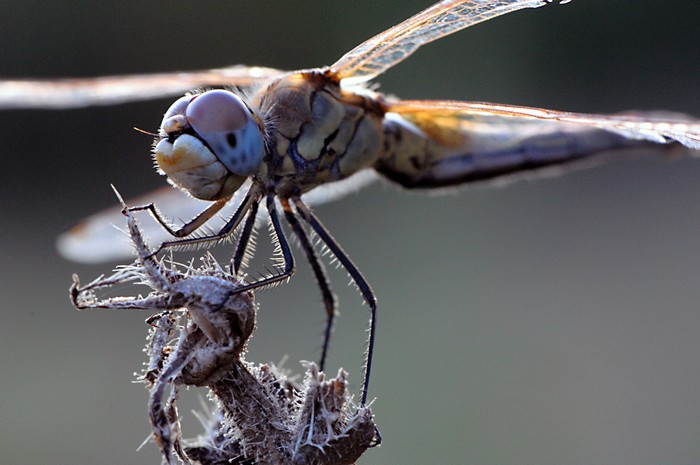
(276, 422)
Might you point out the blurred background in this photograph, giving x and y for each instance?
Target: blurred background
(545, 322)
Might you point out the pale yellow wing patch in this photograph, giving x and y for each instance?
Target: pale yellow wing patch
(444, 119)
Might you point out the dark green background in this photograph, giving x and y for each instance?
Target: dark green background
(546, 322)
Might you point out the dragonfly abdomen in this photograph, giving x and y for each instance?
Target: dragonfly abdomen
(421, 157)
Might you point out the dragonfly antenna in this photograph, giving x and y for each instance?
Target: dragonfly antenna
(142, 131)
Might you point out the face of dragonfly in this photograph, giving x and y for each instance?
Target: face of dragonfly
(209, 144)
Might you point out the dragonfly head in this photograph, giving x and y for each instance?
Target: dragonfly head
(209, 144)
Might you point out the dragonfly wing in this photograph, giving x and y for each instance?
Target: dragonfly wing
(442, 143)
(332, 191)
(111, 90)
(374, 56)
(102, 237)
(659, 127)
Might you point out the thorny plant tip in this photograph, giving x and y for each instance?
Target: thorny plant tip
(198, 338)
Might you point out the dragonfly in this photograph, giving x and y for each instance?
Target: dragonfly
(256, 142)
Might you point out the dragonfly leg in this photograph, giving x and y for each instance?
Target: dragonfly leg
(187, 228)
(329, 298)
(287, 258)
(244, 248)
(251, 197)
(356, 276)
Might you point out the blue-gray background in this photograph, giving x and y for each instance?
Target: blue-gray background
(546, 322)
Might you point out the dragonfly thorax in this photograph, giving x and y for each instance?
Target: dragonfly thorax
(317, 131)
(209, 144)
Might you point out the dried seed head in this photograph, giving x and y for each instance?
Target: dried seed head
(198, 338)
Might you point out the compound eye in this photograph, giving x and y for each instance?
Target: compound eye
(223, 121)
(216, 111)
(178, 107)
(174, 119)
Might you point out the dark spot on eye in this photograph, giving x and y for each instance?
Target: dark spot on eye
(231, 139)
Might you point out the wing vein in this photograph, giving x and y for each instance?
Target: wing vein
(381, 52)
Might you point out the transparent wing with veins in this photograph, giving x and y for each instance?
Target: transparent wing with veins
(444, 116)
(374, 56)
(111, 90)
(100, 237)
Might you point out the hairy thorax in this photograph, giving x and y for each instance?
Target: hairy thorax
(317, 132)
